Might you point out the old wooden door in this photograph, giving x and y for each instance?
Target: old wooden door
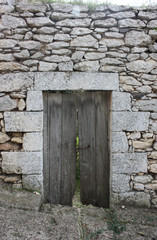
(62, 114)
(59, 147)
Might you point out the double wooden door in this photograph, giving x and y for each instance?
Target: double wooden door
(65, 116)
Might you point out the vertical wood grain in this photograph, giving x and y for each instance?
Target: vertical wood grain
(87, 147)
(55, 154)
(101, 148)
(68, 173)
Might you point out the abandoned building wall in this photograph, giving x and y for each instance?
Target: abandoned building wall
(58, 47)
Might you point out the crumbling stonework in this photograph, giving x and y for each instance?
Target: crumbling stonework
(67, 47)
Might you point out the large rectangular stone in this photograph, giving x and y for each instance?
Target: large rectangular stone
(16, 81)
(32, 182)
(130, 121)
(120, 183)
(22, 162)
(23, 121)
(121, 101)
(119, 142)
(33, 141)
(138, 199)
(129, 163)
(76, 81)
(34, 101)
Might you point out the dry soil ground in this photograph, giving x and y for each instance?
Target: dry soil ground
(78, 222)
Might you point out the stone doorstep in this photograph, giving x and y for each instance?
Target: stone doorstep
(20, 199)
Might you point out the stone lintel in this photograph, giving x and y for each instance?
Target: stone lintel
(58, 81)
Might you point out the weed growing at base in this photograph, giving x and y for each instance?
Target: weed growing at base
(113, 222)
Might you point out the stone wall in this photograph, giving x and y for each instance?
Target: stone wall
(58, 47)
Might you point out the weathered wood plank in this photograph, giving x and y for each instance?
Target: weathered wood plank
(54, 146)
(68, 148)
(101, 148)
(87, 147)
(45, 146)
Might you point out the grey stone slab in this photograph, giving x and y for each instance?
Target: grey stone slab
(6, 103)
(119, 142)
(152, 24)
(121, 15)
(110, 61)
(24, 54)
(6, 9)
(62, 37)
(22, 200)
(120, 183)
(130, 121)
(84, 41)
(129, 163)
(35, 7)
(23, 121)
(76, 81)
(136, 38)
(46, 66)
(61, 7)
(94, 55)
(30, 44)
(58, 16)
(147, 16)
(15, 82)
(57, 45)
(57, 59)
(46, 30)
(154, 127)
(80, 31)
(110, 22)
(110, 42)
(22, 162)
(43, 38)
(13, 22)
(141, 66)
(32, 182)
(74, 22)
(7, 43)
(121, 101)
(6, 57)
(87, 66)
(39, 22)
(66, 66)
(34, 101)
(33, 141)
(147, 105)
(140, 199)
(132, 23)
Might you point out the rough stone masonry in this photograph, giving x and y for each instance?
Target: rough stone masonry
(57, 47)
